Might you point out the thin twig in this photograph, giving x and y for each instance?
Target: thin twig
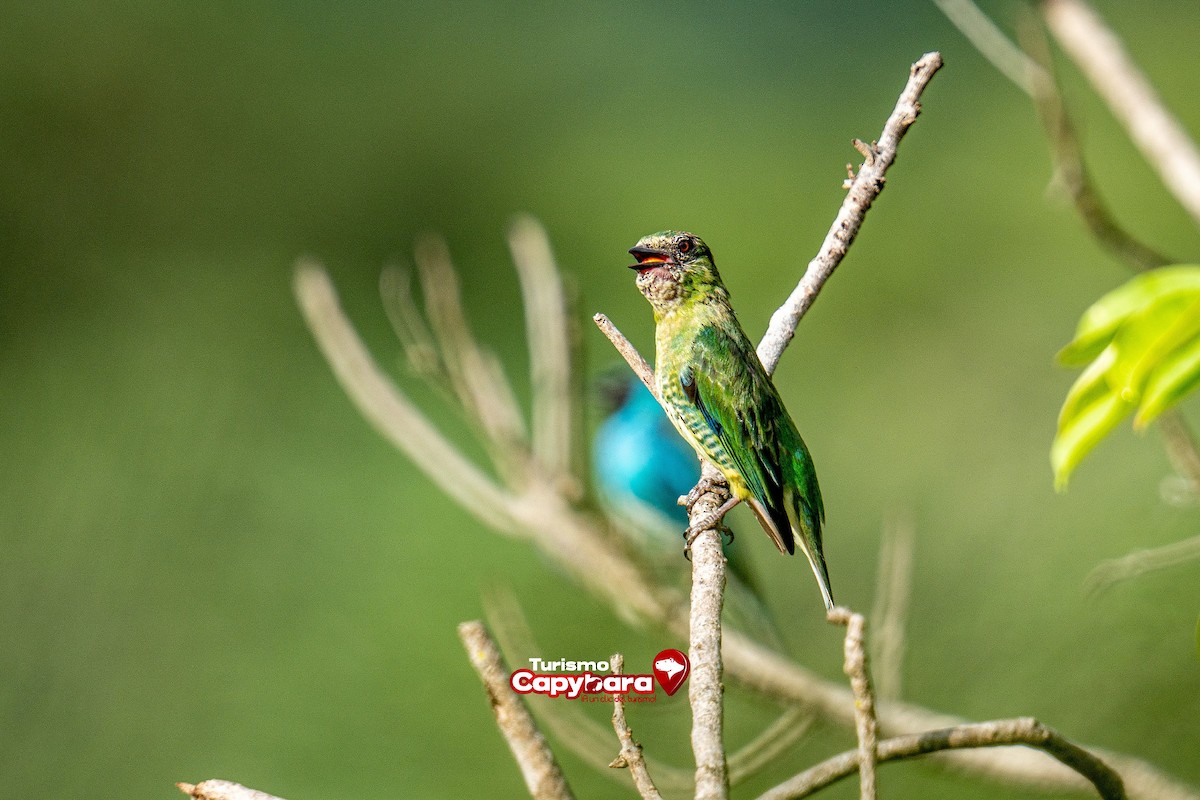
(1139, 562)
(549, 343)
(543, 777)
(1071, 172)
(639, 365)
(631, 752)
(893, 590)
(992, 44)
(1023, 731)
(222, 790)
(863, 190)
(1130, 96)
(857, 671)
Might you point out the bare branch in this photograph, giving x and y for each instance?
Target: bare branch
(639, 365)
(1133, 101)
(543, 777)
(893, 589)
(631, 752)
(1023, 731)
(222, 790)
(863, 191)
(549, 343)
(389, 411)
(856, 670)
(705, 689)
(1070, 170)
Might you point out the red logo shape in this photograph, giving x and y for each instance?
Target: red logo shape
(671, 668)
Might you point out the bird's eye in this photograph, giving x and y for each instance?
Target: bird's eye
(685, 245)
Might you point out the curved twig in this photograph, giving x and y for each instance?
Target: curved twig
(1022, 731)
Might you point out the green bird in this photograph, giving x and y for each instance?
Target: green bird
(720, 398)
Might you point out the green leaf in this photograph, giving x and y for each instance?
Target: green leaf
(1176, 376)
(1100, 322)
(1091, 410)
(1149, 336)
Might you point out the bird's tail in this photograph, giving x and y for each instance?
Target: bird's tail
(806, 526)
(798, 523)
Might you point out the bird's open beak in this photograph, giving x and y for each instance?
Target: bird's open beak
(647, 258)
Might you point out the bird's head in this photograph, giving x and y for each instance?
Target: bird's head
(674, 268)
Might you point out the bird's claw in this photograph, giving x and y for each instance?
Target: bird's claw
(702, 487)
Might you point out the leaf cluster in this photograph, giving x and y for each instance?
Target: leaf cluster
(1140, 349)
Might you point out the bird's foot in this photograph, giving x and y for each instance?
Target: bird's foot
(711, 520)
(705, 485)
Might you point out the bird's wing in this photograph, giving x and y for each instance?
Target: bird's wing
(726, 383)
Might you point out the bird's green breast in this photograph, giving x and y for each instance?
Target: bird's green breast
(675, 342)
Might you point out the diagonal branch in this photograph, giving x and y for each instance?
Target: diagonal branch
(1130, 96)
(543, 777)
(865, 187)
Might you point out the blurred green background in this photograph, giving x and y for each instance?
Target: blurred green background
(210, 566)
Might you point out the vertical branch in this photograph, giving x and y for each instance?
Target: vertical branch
(543, 777)
(1133, 101)
(864, 703)
(630, 756)
(705, 690)
(549, 343)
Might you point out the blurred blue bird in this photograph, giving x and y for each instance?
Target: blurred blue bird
(640, 467)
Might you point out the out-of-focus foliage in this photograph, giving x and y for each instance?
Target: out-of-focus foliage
(1141, 347)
